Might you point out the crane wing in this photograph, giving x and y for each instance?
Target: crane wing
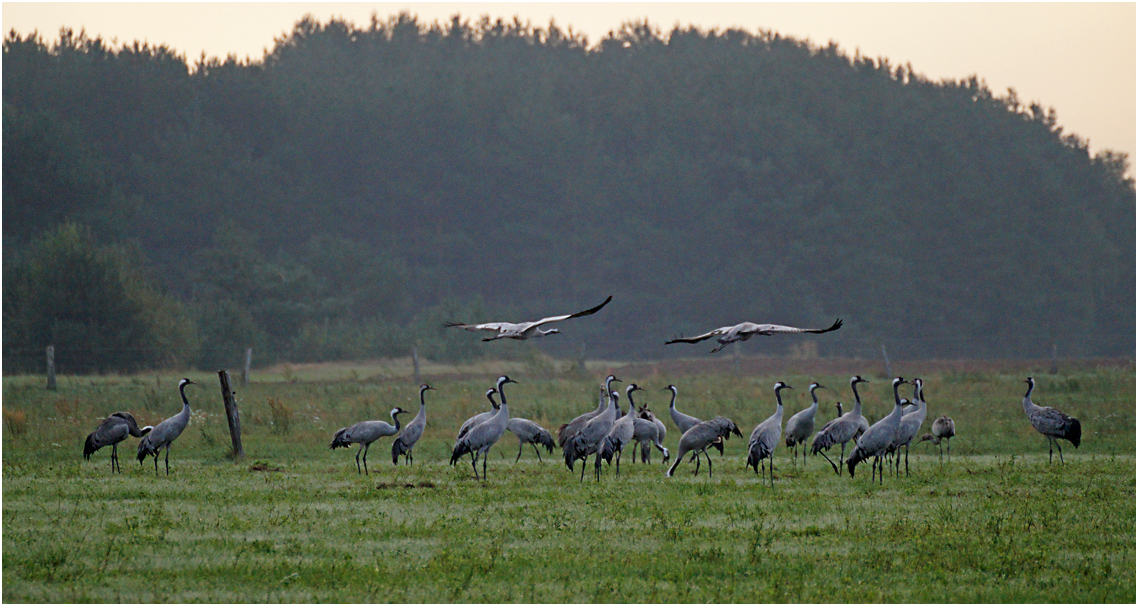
(492, 326)
(703, 337)
(773, 329)
(587, 312)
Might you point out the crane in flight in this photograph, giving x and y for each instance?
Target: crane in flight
(525, 330)
(745, 330)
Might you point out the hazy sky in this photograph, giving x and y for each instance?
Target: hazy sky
(1078, 58)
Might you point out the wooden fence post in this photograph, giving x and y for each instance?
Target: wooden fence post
(415, 364)
(231, 414)
(248, 363)
(51, 367)
(888, 367)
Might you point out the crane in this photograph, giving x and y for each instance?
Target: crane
(531, 433)
(364, 433)
(842, 429)
(573, 426)
(910, 426)
(620, 435)
(164, 433)
(685, 422)
(481, 437)
(480, 417)
(588, 436)
(765, 436)
(746, 330)
(943, 429)
(110, 432)
(403, 444)
(1052, 423)
(649, 431)
(801, 425)
(699, 438)
(879, 436)
(524, 330)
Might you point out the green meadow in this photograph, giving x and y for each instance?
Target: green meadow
(293, 521)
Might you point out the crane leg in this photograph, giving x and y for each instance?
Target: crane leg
(708, 464)
(772, 470)
(367, 447)
(1060, 447)
(167, 459)
(155, 462)
(583, 469)
(1050, 449)
(842, 460)
(519, 457)
(474, 463)
(411, 456)
(358, 470)
(950, 451)
(906, 460)
(697, 461)
(485, 456)
(823, 453)
(114, 457)
(941, 447)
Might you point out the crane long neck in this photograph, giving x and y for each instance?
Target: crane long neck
(778, 398)
(896, 393)
(673, 404)
(502, 392)
(857, 398)
(182, 390)
(395, 417)
(814, 396)
(1028, 405)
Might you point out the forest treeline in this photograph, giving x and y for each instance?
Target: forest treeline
(343, 195)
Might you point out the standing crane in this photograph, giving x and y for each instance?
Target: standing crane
(530, 433)
(403, 444)
(524, 330)
(649, 431)
(765, 436)
(699, 438)
(746, 330)
(164, 433)
(621, 433)
(943, 430)
(573, 426)
(1052, 423)
(910, 426)
(480, 417)
(364, 433)
(685, 422)
(481, 437)
(877, 439)
(801, 425)
(110, 432)
(587, 438)
(842, 429)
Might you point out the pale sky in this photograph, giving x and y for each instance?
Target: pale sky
(1078, 58)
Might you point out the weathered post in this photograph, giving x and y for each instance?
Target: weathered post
(51, 367)
(1054, 359)
(888, 367)
(231, 414)
(581, 359)
(415, 364)
(248, 363)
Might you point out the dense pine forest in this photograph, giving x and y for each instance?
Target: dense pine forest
(348, 192)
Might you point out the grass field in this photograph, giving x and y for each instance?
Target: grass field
(293, 521)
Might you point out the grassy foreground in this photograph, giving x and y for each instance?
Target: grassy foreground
(294, 522)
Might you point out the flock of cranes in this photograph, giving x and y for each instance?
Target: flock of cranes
(605, 432)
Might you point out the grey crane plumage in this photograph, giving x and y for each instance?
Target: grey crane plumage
(529, 432)
(572, 427)
(685, 422)
(405, 442)
(701, 436)
(164, 433)
(649, 431)
(842, 429)
(746, 330)
(910, 425)
(524, 330)
(944, 429)
(877, 439)
(801, 425)
(114, 429)
(481, 437)
(364, 433)
(479, 418)
(1052, 423)
(621, 434)
(765, 436)
(586, 440)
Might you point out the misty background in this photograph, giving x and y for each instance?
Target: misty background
(343, 196)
